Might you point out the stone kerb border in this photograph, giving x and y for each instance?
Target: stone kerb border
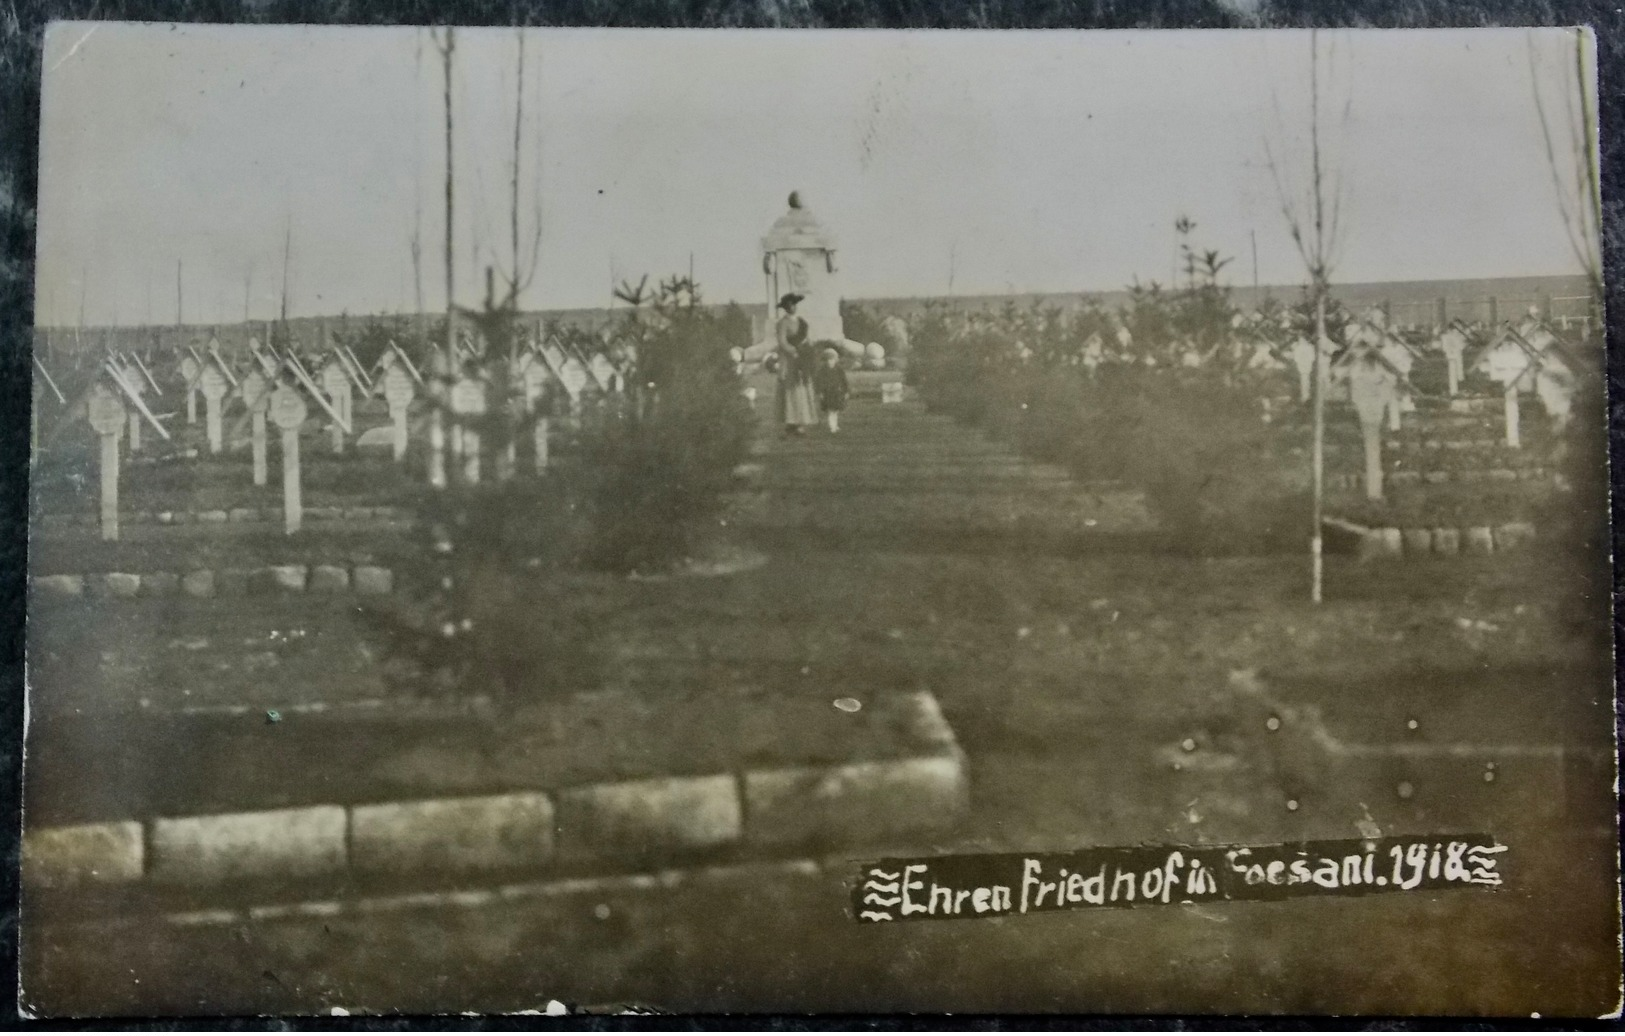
(1389, 542)
(604, 826)
(239, 514)
(216, 582)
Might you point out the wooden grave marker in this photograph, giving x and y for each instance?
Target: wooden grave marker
(1372, 388)
(468, 401)
(107, 416)
(398, 393)
(336, 383)
(534, 377)
(191, 367)
(225, 368)
(288, 411)
(214, 386)
(256, 393)
(134, 386)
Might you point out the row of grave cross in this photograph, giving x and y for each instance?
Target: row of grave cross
(278, 389)
(1375, 366)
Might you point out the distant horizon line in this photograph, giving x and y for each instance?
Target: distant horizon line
(1575, 279)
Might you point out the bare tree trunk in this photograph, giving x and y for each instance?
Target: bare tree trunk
(422, 315)
(518, 116)
(287, 250)
(1315, 233)
(1318, 448)
(446, 52)
(417, 278)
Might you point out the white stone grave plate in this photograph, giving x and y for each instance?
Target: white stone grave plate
(255, 390)
(288, 410)
(106, 412)
(398, 387)
(468, 397)
(213, 383)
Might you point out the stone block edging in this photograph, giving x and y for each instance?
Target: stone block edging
(216, 582)
(607, 825)
(1374, 543)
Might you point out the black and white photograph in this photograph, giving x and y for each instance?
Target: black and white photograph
(598, 521)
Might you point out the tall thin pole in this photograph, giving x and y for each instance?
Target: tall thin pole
(180, 309)
(1253, 234)
(287, 250)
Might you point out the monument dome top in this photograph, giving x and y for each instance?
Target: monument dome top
(797, 228)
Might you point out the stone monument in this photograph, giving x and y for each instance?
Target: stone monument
(798, 256)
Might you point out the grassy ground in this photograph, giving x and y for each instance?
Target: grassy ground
(1070, 670)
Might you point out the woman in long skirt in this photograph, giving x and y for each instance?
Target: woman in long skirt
(797, 407)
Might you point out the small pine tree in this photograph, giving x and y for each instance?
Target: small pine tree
(490, 602)
(661, 458)
(483, 607)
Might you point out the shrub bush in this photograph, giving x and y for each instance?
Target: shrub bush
(1062, 388)
(660, 459)
(493, 599)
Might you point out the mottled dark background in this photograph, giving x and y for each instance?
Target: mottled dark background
(22, 24)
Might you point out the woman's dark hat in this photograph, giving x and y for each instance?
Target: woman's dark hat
(789, 300)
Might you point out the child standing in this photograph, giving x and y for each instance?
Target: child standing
(831, 385)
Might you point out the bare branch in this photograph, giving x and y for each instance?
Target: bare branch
(1577, 220)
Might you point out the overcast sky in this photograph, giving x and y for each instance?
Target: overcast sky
(1007, 161)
